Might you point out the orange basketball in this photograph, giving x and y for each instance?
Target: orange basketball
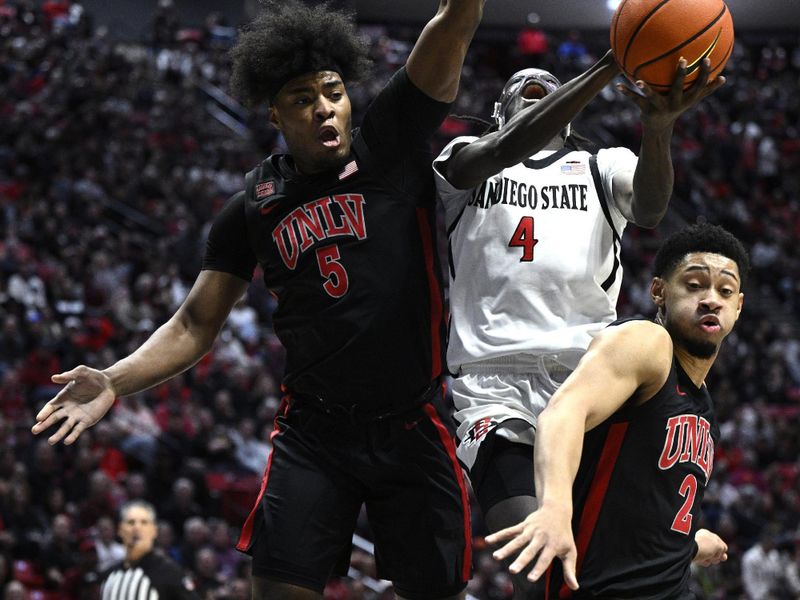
(649, 37)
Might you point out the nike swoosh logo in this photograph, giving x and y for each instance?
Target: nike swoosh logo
(696, 64)
(678, 389)
(265, 210)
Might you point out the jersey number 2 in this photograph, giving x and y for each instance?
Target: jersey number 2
(523, 238)
(683, 520)
(336, 281)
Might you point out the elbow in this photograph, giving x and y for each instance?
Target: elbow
(649, 221)
(650, 215)
(465, 15)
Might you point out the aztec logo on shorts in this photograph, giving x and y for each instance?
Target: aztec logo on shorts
(479, 431)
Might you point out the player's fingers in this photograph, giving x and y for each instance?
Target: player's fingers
(504, 534)
(65, 428)
(525, 557)
(724, 557)
(569, 568)
(633, 94)
(698, 89)
(510, 548)
(66, 376)
(47, 418)
(543, 562)
(676, 89)
(79, 428)
(712, 87)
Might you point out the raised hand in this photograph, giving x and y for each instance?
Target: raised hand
(660, 111)
(547, 533)
(86, 397)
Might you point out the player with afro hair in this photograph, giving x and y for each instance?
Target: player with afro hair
(288, 39)
(343, 228)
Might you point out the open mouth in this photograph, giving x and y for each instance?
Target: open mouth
(533, 91)
(710, 324)
(329, 137)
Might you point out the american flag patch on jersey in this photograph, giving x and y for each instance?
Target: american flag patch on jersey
(265, 189)
(349, 169)
(573, 167)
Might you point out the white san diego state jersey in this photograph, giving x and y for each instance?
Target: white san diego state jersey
(534, 255)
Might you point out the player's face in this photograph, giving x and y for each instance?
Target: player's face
(314, 114)
(701, 302)
(526, 88)
(137, 530)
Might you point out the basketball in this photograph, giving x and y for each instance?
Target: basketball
(649, 37)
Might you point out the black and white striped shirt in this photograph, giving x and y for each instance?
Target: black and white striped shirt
(153, 577)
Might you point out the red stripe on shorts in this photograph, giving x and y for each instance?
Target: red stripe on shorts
(247, 529)
(597, 493)
(434, 291)
(447, 442)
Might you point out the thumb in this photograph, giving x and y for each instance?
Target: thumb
(569, 570)
(65, 377)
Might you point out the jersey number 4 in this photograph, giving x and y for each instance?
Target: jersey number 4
(523, 238)
(683, 520)
(336, 281)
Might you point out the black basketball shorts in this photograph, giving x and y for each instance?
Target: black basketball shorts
(502, 470)
(323, 468)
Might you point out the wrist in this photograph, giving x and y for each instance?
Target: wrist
(113, 385)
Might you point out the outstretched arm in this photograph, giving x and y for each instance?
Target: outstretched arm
(529, 130)
(631, 360)
(173, 348)
(642, 196)
(434, 65)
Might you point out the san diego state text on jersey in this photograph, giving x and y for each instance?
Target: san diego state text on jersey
(516, 193)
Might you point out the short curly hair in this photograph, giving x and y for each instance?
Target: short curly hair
(289, 39)
(701, 237)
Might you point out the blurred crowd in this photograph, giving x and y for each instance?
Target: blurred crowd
(114, 158)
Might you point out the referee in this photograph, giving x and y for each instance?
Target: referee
(144, 572)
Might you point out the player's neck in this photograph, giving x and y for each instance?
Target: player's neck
(695, 367)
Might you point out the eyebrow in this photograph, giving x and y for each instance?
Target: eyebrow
(307, 89)
(691, 268)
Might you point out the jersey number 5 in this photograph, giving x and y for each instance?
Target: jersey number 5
(523, 238)
(336, 281)
(683, 520)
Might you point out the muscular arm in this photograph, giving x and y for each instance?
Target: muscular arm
(184, 339)
(643, 196)
(529, 130)
(631, 360)
(434, 65)
(88, 394)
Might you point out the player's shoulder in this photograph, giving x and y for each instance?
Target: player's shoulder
(616, 156)
(643, 339)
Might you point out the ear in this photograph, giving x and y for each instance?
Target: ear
(739, 305)
(274, 117)
(657, 293)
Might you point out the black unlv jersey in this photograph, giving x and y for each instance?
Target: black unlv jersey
(351, 256)
(637, 496)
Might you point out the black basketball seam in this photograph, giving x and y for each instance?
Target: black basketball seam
(711, 70)
(636, 32)
(682, 44)
(620, 8)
